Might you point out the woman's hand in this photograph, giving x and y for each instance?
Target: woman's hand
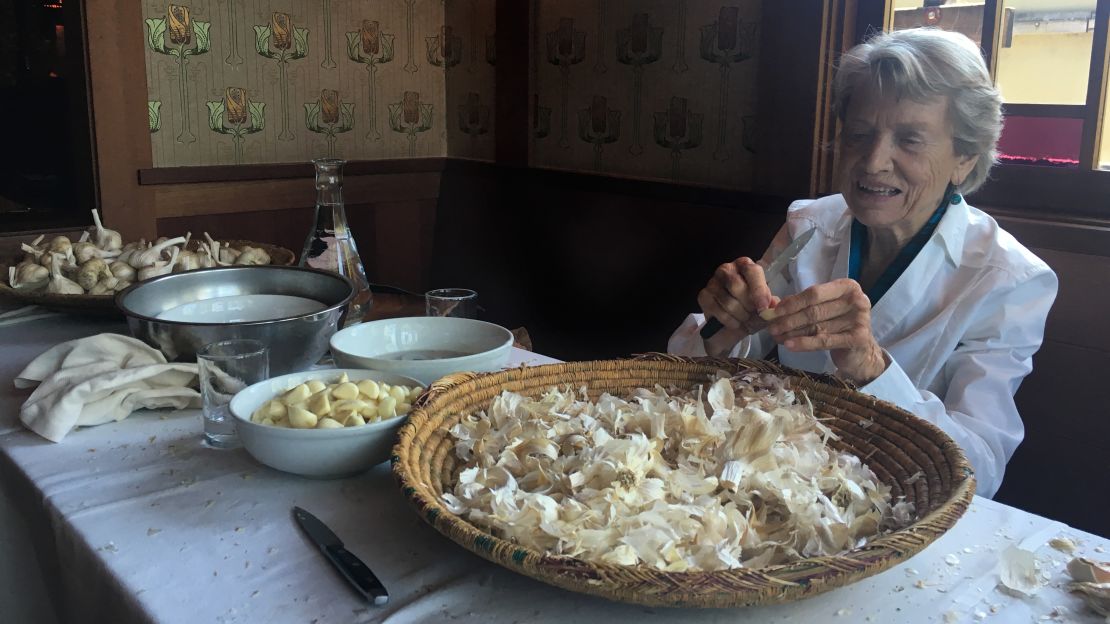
(835, 316)
(735, 295)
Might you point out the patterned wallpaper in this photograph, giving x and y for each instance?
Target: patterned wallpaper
(658, 89)
(261, 81)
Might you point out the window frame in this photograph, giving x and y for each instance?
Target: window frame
(1083, 191)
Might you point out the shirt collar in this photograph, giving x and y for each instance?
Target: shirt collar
(952, 229)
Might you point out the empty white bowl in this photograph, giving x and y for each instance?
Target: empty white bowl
(320, 453)
(424, 347)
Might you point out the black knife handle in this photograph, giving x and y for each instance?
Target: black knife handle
(711, 328)
(357, 573)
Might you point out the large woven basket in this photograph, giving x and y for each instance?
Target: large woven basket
(894, 443)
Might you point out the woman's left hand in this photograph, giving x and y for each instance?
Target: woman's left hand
(835, 316)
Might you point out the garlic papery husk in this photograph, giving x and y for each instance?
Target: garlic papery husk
(90, 272)
(252, 256)
(60, 285)
(109, 240)
(158, 268)
(735, 473)
(148, 257)
(60, 244)
(32, 253)
(122, 270)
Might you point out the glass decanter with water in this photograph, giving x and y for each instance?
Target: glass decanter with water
(329, 245)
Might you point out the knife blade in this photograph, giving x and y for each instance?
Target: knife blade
(778, 265)
(354, 570)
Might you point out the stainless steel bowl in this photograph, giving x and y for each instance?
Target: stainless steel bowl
(296, 342)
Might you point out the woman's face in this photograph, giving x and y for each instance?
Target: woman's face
(897, 157)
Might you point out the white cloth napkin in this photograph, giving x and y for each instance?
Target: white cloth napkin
(99, 379)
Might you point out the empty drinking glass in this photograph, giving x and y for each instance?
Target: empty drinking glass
(458, 302)
(227, 367)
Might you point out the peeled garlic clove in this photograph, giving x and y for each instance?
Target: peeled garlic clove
(296, 395)
(345, 390)
(369, 388)
(319, 403)
(301, 418)
(316, 385)
(329, 423)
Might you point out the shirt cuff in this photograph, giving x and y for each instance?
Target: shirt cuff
(893, 385)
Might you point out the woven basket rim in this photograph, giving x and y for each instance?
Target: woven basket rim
(879, 553)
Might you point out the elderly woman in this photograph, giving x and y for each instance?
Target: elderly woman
(904, 289)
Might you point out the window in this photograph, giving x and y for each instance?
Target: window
(47, 180)
(1049, 60)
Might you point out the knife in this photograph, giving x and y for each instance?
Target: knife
(778, 265)
(355, 571)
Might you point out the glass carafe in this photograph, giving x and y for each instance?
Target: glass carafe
(329, 245)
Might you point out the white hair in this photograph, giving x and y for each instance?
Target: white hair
(924, 63)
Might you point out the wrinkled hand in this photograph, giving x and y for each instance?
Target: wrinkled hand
(735, 295)
(835, 316)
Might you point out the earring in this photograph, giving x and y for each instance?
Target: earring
(955, 199)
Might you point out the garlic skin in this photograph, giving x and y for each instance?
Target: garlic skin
(204, 258)
(676, 480)
(108, 240)
(106, 285)
(59, 285)
(228, 255)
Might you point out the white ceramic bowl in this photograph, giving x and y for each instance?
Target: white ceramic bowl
(423, 347)
(320, 453)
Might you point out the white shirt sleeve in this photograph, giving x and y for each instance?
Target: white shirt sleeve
(995, 354)
(687, 341)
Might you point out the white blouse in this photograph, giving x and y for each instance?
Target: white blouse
(960, 325)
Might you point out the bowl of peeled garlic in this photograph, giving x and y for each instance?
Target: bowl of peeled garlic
(324, 423)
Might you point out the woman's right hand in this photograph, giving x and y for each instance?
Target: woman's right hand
(735, 296)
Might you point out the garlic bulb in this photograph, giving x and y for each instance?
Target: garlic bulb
(105, 285)
(90, 272)
(59, 285)
(60, 244)
(228, 254)
(106, 239)
(160, 267)
(122, 270)
(28, 276)
(252, 256)
(130, 248)
(187, 261)
(149, 257)
(84, 252)
(204, 258)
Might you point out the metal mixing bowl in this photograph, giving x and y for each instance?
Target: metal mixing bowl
(296, 342)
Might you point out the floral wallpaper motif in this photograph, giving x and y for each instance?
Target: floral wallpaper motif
(654, 89)
(263, 81)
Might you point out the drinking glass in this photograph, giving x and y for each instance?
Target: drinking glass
(226, 367)
(458, 302)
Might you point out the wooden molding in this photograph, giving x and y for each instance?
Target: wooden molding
(282, 171)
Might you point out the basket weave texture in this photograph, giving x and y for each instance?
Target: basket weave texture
(894, 443)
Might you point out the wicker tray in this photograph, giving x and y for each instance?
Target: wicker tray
(105, 305)
(896, 445)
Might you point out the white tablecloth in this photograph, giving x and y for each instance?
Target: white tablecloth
(137, 521)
